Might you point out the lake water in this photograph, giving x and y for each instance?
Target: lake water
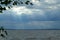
(33, 35)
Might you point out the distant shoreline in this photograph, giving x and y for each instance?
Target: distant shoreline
(32, 29)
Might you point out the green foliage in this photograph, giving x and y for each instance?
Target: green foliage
(7, 2)
(1, 9)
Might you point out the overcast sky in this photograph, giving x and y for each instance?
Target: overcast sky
(44, 14)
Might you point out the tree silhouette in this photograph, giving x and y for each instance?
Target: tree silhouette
(13, 2)
(3, 32)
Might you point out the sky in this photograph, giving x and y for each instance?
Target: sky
(43, 14)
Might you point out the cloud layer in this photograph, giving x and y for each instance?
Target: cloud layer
(44, 14)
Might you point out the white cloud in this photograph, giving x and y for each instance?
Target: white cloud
(50, 1)
(17, 11)
(36, 2)
(46, 4)
(38, 7)
(20, 10)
